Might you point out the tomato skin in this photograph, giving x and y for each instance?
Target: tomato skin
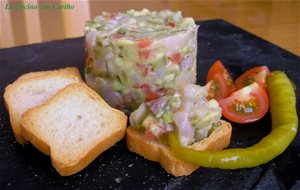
(217, 88)
(149, 93)
(117, 35)
(143, 43)
(256, 74)
(144, 54)
(175, 58)
(218, 67)
(171, 24)
(234, 107)
(142, 68)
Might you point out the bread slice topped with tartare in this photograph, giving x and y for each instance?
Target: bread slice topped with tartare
(73, 127)
(32, 89)
(188, 113)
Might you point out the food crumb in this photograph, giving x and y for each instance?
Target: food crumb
(130, 165)
(118, 180)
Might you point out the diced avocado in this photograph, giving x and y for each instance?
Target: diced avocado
(139, 95)
(139, 98)
(101, 51)
(131, 53)
(186, 49)
(168, 78)
(158, 81)
(174, 68)
(99, 40)
(117, 85)
(168, 117)
(97, 51)
(129, 50)
(160, 114)
(87, 70)
(148, 120)
(123, 76)
(119, 62)
(91, 26)
(174, 101)
(157, 61)
(186, 22)
(217, 124)
(206, 120)
(124, 42)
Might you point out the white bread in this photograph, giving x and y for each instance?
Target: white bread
(32, 89)
(154, 151)
(73, 127)
(70, 71)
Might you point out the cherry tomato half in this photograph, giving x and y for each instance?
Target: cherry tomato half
(216, 68)
(217, 87)
(256, 74)
(246, 105)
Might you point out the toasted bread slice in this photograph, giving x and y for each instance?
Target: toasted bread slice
(73, 127)
(33, 89)
(65, 71)
(154, 151)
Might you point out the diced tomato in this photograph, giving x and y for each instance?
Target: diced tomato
(172, 24)
(117, 35)
(109, 16)
(246, 105)
(144, 53)
(142, 68)
(150, 94)
(143, 43)
(175, 58)
(218, 67)
(256, 74)
(217, 87)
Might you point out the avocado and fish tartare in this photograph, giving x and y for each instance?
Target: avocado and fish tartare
(188, 112)
(139, 56)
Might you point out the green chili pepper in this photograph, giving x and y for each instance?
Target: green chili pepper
(284, 129)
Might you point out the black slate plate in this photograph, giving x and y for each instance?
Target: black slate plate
(24, 167)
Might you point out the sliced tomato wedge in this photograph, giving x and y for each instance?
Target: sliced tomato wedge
(246, 105)
(256, 74)
(217, 87)
(218, 67)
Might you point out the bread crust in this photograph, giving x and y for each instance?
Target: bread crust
(70, 72)
(154, 151)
